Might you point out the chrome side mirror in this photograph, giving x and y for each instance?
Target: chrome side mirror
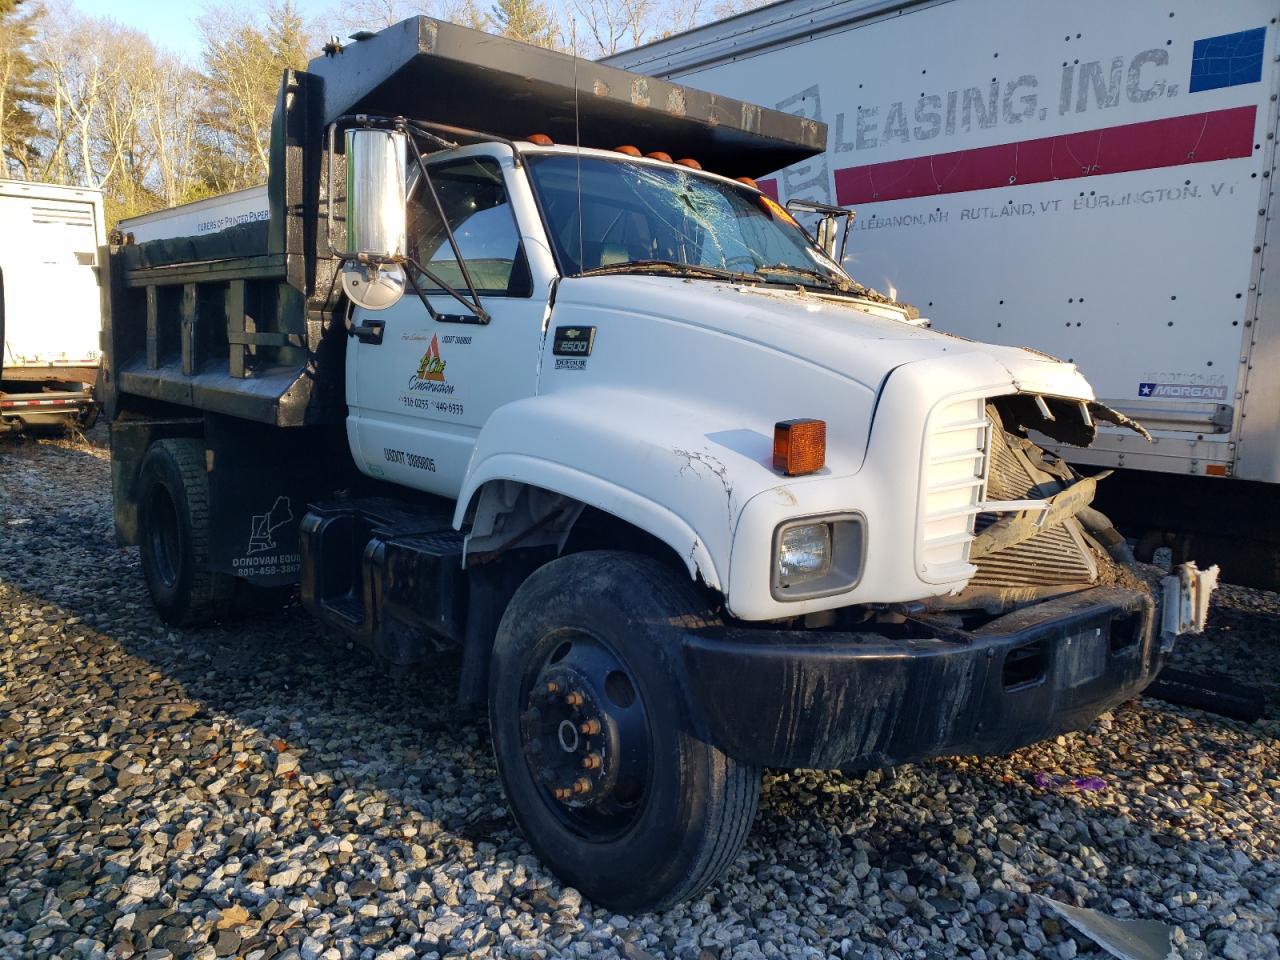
(372, 273)
(376, 193)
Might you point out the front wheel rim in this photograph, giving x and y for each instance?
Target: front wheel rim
(585, 735)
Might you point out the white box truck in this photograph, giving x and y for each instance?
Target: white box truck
(50, 304)
(1092, 179)
(200, 217)
(584, 405)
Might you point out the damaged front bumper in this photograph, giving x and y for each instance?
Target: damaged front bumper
(845, 700)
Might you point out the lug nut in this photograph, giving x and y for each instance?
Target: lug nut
(563, 793)
(552, 687)
(573, 699)
(583, 785)
(590, 727)
(591, 761)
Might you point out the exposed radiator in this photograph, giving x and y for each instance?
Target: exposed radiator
(1054, 557)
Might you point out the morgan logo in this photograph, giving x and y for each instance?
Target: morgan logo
(1183, 391)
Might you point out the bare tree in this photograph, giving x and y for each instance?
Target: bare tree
(170, 89)
(466, 13)
(375, 14)
(82, 76)
(245, 54)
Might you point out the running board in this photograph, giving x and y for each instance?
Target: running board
(386, 573)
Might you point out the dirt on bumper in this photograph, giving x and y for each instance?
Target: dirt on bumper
(849, 700)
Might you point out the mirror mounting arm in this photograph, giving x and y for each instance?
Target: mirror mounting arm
(473, 304)
(411, 129)
(478, 315)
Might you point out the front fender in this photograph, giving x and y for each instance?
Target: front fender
(665, 468)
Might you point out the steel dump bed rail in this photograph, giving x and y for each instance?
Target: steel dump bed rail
(431, 70)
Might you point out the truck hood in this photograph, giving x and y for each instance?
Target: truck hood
(823, 330)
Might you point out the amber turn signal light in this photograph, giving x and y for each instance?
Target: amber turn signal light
(799, 446)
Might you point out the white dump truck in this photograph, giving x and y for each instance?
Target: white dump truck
(1092, 179)
(50, 304)
(522, 364)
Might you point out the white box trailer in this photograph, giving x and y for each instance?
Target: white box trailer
(50, 303)
(1092, 179)
(201, 217)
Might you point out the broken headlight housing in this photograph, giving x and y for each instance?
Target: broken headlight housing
(817, 556)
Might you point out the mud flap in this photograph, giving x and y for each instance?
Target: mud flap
(261, 479)
(1184, 606)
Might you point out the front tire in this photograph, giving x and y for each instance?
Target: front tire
(173, 528)
(597, 742)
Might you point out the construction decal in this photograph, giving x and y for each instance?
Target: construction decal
(430, 379)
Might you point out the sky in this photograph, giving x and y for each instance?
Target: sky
(172, 23)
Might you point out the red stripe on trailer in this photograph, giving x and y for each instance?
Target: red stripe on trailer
(1198, 138)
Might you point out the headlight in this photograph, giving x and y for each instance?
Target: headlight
(804, 553)
(818, 556)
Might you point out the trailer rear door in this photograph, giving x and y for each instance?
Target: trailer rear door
(48, 251)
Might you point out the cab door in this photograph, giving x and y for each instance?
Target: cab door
(417, 400)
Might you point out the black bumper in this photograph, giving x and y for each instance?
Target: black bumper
(831, 700)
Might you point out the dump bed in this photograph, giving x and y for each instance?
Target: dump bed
(240, 321)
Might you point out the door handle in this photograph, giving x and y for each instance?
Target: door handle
(369, 332)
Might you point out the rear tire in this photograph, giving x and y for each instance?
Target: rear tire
(597, 742)
(173, 528)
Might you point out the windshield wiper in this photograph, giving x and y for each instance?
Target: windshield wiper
(827, 281)
(669, 267)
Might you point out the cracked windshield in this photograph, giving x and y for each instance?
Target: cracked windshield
(639, 218)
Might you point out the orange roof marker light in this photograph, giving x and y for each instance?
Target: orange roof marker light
(775, 209)
(689, 162)
(748, 181)
(629, 150)
(799, 446)
(542, 140)
(659, 155)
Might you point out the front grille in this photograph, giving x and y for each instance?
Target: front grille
(1054, 557)
(957, 443)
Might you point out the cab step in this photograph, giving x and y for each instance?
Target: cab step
(386, 573)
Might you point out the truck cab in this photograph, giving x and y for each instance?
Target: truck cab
(606, 419)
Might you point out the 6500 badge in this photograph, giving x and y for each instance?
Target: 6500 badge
(573, 342)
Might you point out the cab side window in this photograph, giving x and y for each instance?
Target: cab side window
(474, 199)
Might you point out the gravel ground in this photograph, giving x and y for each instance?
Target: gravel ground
(256, 791)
